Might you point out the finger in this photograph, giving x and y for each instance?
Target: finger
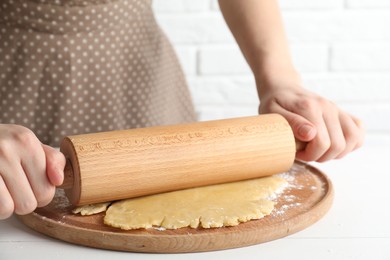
(19, 187)
(352, 134)
(362, 130)
(318, 145)
(336, 135)
(303, 130)
(6, 202)
(55, 164)
(34, 166)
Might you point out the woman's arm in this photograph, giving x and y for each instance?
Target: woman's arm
(258, 28)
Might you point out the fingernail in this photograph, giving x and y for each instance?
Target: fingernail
(305, 130)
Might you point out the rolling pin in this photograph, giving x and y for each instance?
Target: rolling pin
(123, 164)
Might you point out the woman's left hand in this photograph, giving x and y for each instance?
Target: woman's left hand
(329, 132)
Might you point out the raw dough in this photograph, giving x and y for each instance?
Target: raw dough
(208, 207)
(91, 208)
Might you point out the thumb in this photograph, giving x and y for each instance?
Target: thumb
(302, 128)
(55, 164)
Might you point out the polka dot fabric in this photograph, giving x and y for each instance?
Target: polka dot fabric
(72, 67)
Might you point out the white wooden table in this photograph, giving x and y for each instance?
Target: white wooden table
(357, 226)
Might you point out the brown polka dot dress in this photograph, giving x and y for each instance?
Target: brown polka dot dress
(77, 66)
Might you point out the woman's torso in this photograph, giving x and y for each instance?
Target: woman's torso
(75, 66)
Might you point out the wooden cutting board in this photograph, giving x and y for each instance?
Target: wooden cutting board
(307, 198)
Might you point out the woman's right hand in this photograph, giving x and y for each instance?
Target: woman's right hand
(29, 171)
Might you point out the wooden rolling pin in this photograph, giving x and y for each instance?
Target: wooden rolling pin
(129, 163)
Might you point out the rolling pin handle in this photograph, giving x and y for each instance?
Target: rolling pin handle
(68, 176)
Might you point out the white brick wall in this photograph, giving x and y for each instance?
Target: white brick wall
(341, 48)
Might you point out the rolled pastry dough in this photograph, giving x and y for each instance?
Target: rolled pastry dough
(91, 208)
(208, 207)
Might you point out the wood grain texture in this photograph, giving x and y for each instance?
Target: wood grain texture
(130, 163)
(307, 198)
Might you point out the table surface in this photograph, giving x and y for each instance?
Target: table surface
(356, 227)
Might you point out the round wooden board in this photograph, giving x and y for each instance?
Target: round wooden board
(307, 198)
